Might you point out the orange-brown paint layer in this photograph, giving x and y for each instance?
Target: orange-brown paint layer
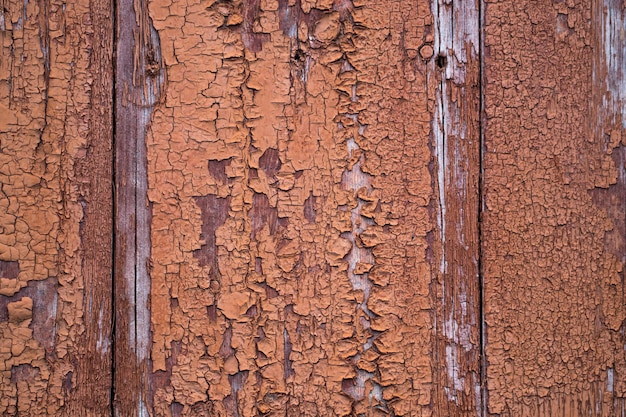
(55, 205)
(554, 289)
(288, 171)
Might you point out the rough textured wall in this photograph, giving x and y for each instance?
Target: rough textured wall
(297, 208)
(554, 208)
(55, 207)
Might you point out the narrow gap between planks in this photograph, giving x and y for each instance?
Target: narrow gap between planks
(481, 207)
(114, 8)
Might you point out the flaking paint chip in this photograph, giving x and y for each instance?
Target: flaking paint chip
(21, 310)
(234, 305)
(362, 268)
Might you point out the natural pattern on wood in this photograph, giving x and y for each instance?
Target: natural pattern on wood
(137, 91)
(456, 142)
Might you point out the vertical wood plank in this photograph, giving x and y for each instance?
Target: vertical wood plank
(137, 90)
(94, 177)
(456, 137)
(554, 207)
(56, 78)
(290, 168)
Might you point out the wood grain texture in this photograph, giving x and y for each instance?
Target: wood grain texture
(137, 90)
(554, 208)
(56, 80)
(456, 141)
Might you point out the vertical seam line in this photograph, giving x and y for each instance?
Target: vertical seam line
(114, 179)
(481, 203)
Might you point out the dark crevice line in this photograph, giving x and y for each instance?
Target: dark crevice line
(114, 9)
(481, 203)
(438, 207)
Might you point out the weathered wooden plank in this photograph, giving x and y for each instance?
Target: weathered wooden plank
(137, 88)
(456, 141)
(554, 208)
(56, 202)
(290, 168)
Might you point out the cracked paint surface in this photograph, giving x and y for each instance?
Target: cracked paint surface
(553, 265)
(55, 131)
(290, 189)
(304, 212)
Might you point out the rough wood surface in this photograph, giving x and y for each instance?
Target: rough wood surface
(456, 145)
(137, 89)
(554, 208)
(56, 207)
(298, 225)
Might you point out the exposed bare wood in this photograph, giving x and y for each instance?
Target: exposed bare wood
(456, 141)
(137, 89)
